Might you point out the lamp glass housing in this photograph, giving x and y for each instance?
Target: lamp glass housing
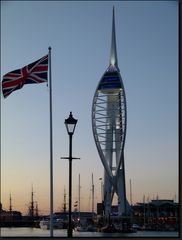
(70, 123)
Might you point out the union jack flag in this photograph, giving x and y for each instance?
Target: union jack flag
(35, 72)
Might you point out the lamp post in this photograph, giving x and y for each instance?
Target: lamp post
(101, 189)
(70, 123)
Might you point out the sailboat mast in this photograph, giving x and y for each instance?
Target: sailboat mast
(130, 194)
(10, 203)
(92, 194)
(32, 203)
(144, 210)
(79, 193)
(36, 210)
(64, 204)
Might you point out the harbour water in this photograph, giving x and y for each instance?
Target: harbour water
(37, 232)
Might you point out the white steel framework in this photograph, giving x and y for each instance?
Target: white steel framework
(109, 129)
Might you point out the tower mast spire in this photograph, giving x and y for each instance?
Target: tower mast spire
(113, 55)
(110, 98)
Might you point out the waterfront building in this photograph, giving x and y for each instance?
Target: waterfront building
(9, 218)
(162, 215)
(156, 214)
(109, 130)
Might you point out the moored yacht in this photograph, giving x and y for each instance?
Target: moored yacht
(58, 222)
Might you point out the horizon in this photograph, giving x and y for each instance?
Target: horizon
(75, 209)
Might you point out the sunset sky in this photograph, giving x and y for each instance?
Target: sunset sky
(80, 36)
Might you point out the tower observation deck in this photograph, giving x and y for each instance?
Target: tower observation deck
(109, 121)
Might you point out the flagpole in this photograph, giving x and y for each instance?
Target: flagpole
(51, 147)
(0, 145)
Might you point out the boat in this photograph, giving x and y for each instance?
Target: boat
(111, 228)
(60, 219)
(86, 228)
(136, 226)
(57, 223)
(80, 228)
(81, 224)
(91, 228)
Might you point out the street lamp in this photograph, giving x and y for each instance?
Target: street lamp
(101, 193)
(101, 183)
(70, 123)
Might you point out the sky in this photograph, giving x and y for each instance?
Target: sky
(79, 33)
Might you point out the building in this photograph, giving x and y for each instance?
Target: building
(9, 218)
(109, 130)
(157, 214)
(100, 210)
